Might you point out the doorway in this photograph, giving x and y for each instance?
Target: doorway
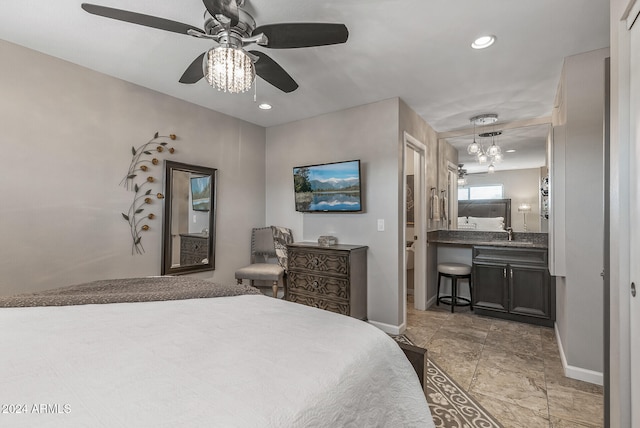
(414, 230)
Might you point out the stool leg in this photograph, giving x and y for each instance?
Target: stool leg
(239, 281)
(274, 287)
(470, 294)
(438, 292)
(454, 292)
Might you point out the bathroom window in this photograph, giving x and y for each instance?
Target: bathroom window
(471, 193)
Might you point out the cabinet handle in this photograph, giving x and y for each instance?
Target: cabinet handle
(511, 273)
(505, 272)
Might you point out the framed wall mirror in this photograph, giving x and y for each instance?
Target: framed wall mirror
(188, 231)
(518, 177)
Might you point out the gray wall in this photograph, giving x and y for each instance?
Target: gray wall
(414, 125)
(372, 133)
(368, 133)
(67, 134)
(580, 293)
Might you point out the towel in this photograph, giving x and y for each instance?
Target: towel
(444, 207)
(435, 207)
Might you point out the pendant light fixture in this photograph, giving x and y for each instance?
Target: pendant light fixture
(493, 154)
(473, 148)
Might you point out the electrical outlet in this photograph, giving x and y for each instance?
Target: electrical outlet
(380, 225)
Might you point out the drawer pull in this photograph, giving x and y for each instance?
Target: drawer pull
(315, 284)
(314, 261)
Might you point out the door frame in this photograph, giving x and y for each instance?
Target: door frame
(619, 404)
(420, 225)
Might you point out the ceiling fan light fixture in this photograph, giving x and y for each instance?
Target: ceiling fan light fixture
(483, 42)
(229, 69)
(264, 106)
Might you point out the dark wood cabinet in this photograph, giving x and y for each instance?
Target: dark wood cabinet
(513, 283)
(332, 278)
(193, 249)
(491, 289)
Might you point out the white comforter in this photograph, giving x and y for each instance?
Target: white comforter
(245, 361)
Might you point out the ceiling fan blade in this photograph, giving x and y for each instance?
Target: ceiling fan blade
(140, 19)
(302, 35)
(194, 72)
(271, 71)
(226, 8)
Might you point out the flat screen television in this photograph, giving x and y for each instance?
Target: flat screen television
(328, 187)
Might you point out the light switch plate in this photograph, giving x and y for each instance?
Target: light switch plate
(380, 225)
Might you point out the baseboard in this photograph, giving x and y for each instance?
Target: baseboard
(388, 328)
(431, 301)
(574, 372)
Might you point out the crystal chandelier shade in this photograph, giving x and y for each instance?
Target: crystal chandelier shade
(493, 154)
(229, 69)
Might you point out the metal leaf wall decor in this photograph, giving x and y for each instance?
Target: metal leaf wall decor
(139, 179)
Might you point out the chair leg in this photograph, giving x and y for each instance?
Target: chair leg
(274, 287)
(470, 294)
(438, 292)
(454, 292)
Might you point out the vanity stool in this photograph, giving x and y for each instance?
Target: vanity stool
(455, 271)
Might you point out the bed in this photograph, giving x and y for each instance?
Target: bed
(484, 214)
(238, 360)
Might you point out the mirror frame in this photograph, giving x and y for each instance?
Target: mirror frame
(169, 167)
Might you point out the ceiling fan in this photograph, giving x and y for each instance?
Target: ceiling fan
(228, 66)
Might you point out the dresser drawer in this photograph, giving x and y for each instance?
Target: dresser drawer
(319, 285)
(326, 304)
(336, 263)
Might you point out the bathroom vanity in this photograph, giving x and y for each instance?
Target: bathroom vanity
(511, 279)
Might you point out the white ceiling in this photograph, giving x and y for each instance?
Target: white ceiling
(413, 49)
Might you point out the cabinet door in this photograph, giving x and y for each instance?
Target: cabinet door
(529, 290)
(490, 289)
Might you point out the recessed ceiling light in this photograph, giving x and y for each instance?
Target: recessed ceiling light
(483, 42)
(265, 106)
(511, 151)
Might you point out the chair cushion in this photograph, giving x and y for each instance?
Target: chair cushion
(261, 272)
(454, 268)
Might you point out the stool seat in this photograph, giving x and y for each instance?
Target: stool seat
(454, 268)
(455, 271)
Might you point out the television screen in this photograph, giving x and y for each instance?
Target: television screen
(201, 193)
(330, 187)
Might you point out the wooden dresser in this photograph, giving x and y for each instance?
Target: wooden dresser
(332, 278)
(193, 248)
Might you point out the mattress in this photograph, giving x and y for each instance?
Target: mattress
(238, 361)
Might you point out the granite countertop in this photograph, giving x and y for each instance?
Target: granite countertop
(496, 239)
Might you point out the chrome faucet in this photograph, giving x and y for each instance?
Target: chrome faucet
(510, 233)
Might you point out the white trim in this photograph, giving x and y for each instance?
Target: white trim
(388, 328)
(577, 373)
(420, 225)
(431, 301)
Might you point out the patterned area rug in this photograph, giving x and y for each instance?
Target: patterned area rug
(450, 406)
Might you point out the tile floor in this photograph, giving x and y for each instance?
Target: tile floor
(512, 369)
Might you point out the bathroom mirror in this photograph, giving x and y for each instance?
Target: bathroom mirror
(188, 238)
(518, 176)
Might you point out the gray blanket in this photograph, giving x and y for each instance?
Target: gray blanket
(127, 290)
